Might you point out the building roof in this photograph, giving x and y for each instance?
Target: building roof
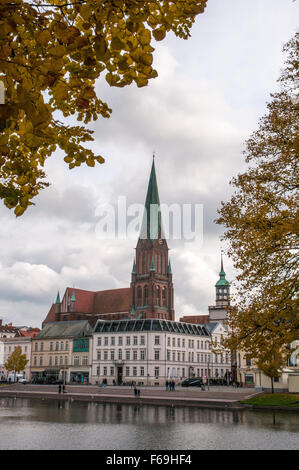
(120, 326)
(30, 332)
(198, 319)
(65, 329)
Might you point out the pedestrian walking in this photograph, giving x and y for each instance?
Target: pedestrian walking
(135, 391)
(59, 388)
(166, 385)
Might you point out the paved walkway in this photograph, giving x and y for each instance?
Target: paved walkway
(216, 396)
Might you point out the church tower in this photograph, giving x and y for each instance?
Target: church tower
(151, 285)
(219, 311)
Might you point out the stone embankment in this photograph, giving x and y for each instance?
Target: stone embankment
(216, 397)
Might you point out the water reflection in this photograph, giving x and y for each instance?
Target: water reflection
(55, 424)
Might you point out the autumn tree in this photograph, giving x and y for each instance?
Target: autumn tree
(51, 53)
(261, 226)
(16, 361)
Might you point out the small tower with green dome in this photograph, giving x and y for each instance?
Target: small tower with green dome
(222, 288)
(219, 311)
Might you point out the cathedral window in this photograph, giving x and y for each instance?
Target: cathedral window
(164, 303)
(145, 295)
(139, 296)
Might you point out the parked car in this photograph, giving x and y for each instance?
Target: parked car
(22, 380)
(193, 382)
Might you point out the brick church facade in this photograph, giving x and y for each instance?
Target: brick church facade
(151, 293)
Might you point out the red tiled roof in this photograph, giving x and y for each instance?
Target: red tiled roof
(51, 314)
(31, 332)
(112, 301)
(94, 303)
(200, 319)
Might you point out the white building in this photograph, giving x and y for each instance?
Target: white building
(149, 351)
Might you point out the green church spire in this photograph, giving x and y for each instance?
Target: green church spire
(58, 298)
(151, 224)
(169, 268)
(222, 281)
(73, 299)
(134, 268)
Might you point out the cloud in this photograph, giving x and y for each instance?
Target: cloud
(196, 116)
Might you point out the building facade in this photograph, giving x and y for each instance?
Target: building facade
(10, 345)
(62, 352)
(149, 351)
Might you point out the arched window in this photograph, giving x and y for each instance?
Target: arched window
(164, 301)
(143, 264)
(139, 296)
(158, 291)
(145, 295)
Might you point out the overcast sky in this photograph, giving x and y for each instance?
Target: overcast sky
(208, 98)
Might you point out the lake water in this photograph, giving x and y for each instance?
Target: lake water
(46, 424)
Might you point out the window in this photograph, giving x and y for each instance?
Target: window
(41, 361)
(139, 296)
(156, 372)
(134, 371)
(120, 340)
(168, 355)
(112, 340)
(179, 342)
(135, 340)
(127, 371)
(157, 339)
(135, 355)
(142, 355)
(42, 346)
(112, 355)
(120, 354)
(142, 340)
(168, 341)
(56, 360)
(142, 371)
(34, 360)
(179, 356)
(56, 346)
(76, 360)
(128, 340)
(111, 370)
(105, 355)
(173, 342)
(98, 371)
(173, 356)
(51, 346)
(127, 354)
(106, 341)
(99, 341)
(61, 346)
(145, 293)
(164, 302)
(157, 355)
(183, 342)
(61, 361)
(50, 360)
(158, 295)
(35, 347)
(66, 346)
(105, 371)
(98, 355)
(84, 360)
(65, 360)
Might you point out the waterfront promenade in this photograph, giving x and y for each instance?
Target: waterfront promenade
(219, 397)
